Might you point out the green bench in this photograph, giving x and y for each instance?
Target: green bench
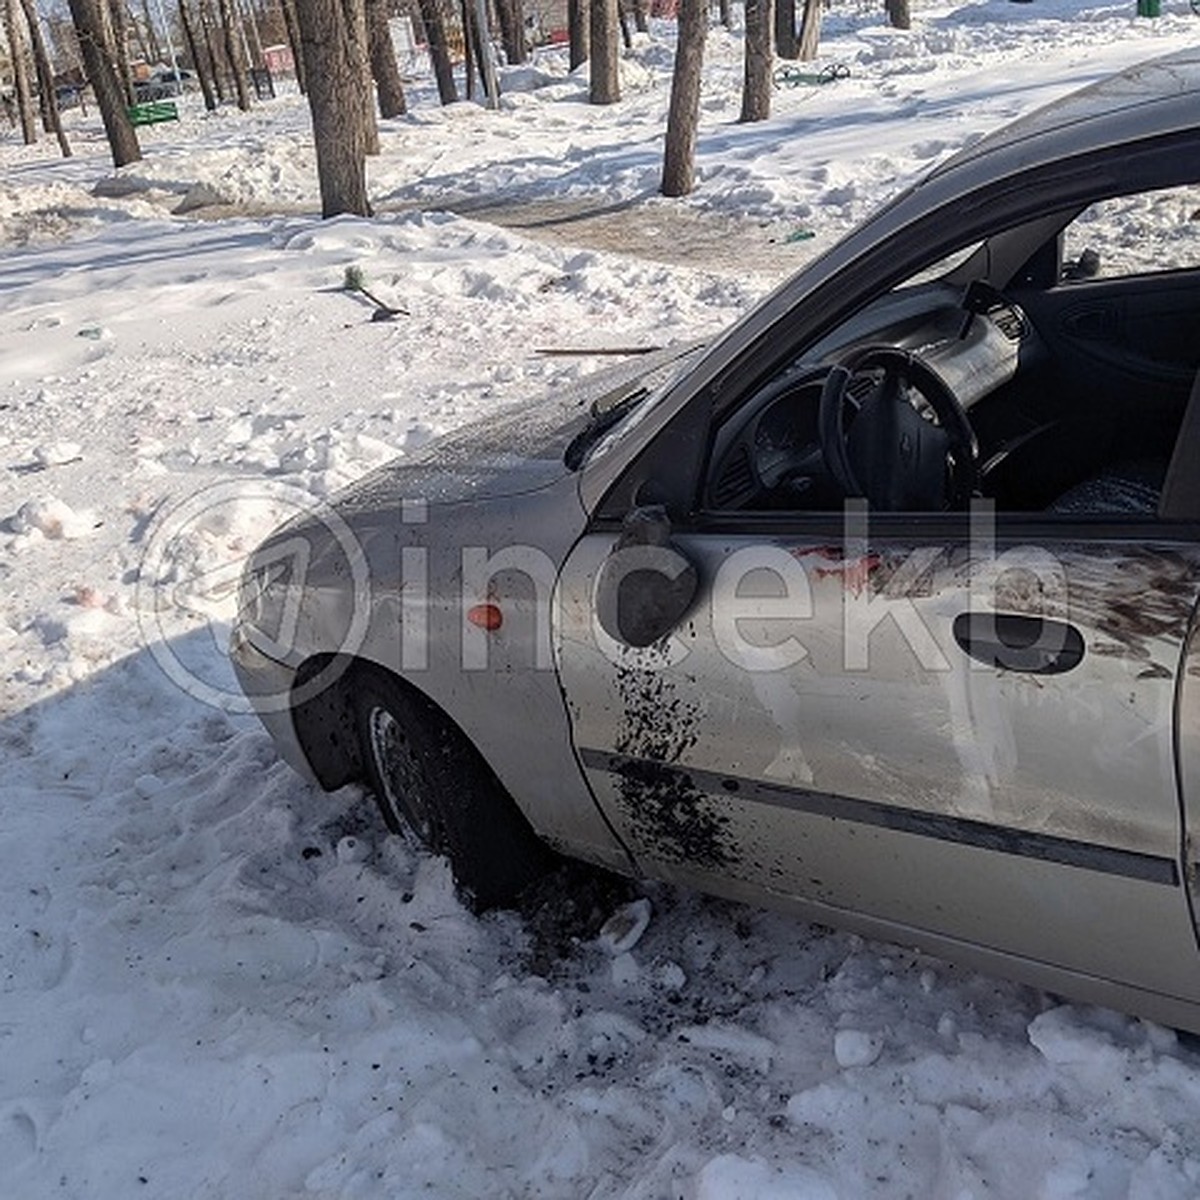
(152, 112)
(791, 76)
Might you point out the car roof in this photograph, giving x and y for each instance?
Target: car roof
(1149, 97)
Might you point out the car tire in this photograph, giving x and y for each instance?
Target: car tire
(431, 783)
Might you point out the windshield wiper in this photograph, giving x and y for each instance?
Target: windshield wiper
(602, 420)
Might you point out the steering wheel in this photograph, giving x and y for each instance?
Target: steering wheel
(889, 453)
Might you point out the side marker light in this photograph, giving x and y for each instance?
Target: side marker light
(486, 616)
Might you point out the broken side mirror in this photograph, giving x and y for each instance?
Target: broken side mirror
(646, 585)
(1086, 266)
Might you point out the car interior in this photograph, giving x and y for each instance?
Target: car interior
(1062, 391)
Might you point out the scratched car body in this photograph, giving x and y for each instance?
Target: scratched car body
(881, 607)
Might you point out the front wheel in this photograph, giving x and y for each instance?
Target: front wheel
(431, 782)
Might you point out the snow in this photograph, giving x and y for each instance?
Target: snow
(217, 981)
(854, 1048)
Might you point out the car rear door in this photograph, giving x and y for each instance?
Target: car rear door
(1188, 747)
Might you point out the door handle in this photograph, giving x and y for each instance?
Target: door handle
(1015, 642)
(1091, 324)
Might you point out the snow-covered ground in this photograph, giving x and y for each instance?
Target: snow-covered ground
(218, 982)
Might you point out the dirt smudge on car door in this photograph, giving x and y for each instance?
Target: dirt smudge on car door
(670, 818)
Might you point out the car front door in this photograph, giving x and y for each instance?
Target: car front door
(944, 729)
(959, 737)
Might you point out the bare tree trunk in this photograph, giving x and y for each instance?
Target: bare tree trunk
(640, 23)
(47, 107)
(603, 75)
(475, 22)
(293, 36)
(198, 64)
(623, 21)
(119, 18)
(127, 21)
(898, 13)
(356, 24)
(335, 86)
(435, 39)
(785, 29)
(155, 53)
(810, 29)
(578, 48)
(272, 21)
(246, 17)
(725, 14)
(679, 159)
(46, 100)
(219, 66)
(122, 139)
(45, 76)
(389, 88)
(511, 14)
(464, 16)
(233, 55)
(20, 70)
(64, 46)
(756, 86)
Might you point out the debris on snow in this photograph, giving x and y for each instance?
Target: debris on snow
(52, 518)
(623, 930)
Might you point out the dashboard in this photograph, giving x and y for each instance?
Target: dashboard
(768, 453)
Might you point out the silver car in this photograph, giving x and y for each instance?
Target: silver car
(880, 608)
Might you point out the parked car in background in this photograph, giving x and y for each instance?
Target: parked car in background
(162, 84)
(68, 95)
(879, 608)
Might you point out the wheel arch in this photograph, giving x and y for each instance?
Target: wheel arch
(325, 723)
(446, 793)
(555, 801)
(324, 720)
